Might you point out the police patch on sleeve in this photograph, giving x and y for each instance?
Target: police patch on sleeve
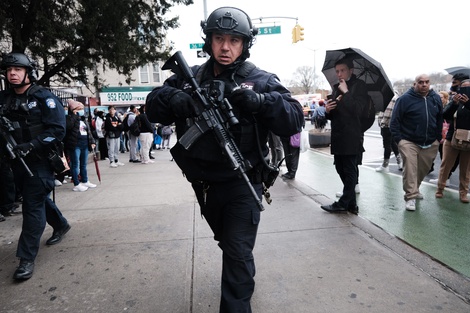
(50, 103)
(32, 104)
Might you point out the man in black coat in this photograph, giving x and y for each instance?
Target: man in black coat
(343, 109)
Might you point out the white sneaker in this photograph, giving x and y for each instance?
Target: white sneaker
(80, 187)
(57, 182)
(119, 163)
(410, 205)
(65, 181)
(435, 181)
(88, 184)
(382, 169)
(420, 196)
(113, 165)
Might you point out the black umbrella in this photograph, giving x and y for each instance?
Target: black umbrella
(379, 87)
(458, 69)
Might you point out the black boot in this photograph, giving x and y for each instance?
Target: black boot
(25, 270)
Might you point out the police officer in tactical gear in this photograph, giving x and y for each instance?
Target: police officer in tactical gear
(37, 121)
(261, 104)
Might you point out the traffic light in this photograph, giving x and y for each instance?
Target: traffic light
(295, 37)
(300, 30)
(297, 33)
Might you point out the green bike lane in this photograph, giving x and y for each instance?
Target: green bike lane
(438, 227)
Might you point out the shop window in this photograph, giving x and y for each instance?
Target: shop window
(156, 73)
(144, 74)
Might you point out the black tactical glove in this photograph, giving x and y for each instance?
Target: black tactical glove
(247, 100)
(24, 148)
(182, 104)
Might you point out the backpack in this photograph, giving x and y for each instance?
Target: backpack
(134, 129)
(125, 123)
(167, 130)
(367, 115)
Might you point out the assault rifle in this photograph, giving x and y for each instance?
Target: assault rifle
(6, 126)
(216, 114)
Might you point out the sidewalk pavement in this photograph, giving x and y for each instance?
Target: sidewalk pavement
(138, 244)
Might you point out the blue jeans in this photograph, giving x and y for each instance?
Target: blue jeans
(79, 160)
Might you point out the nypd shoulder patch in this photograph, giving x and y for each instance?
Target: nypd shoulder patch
(50, 103)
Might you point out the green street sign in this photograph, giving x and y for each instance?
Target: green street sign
(270, 30)
(196, 45)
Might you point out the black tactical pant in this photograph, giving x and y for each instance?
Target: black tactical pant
(233, 215)
(7, 188)
(37, 208)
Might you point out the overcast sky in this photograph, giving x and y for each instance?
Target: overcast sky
(408, 37)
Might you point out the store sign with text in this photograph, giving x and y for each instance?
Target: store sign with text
(123, 97)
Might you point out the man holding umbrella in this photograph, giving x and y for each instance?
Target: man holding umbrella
(348, 98)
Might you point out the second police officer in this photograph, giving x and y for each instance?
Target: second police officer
(35, 119)
(261, 104)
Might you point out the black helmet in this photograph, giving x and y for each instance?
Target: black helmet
(229, 20)
(20, 60)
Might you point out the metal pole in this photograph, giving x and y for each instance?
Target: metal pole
(205, 10)
(315, 70)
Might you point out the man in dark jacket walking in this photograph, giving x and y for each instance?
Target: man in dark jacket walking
(416, 127)
(349, 96)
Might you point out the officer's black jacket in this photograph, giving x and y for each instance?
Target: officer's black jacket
(42, 121)
(282, 115)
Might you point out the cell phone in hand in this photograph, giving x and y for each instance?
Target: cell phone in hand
(464, 91)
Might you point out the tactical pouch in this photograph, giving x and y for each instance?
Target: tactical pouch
(264, 174)
(56, 162)
(270, 175)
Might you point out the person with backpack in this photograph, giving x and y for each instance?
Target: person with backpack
(133, 140)
(343, 109)
(166, 134)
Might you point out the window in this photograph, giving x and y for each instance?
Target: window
(156, 73)
(144, 74)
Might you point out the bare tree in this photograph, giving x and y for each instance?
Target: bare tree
(304, 79)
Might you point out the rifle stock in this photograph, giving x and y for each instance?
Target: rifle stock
(211, 118)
